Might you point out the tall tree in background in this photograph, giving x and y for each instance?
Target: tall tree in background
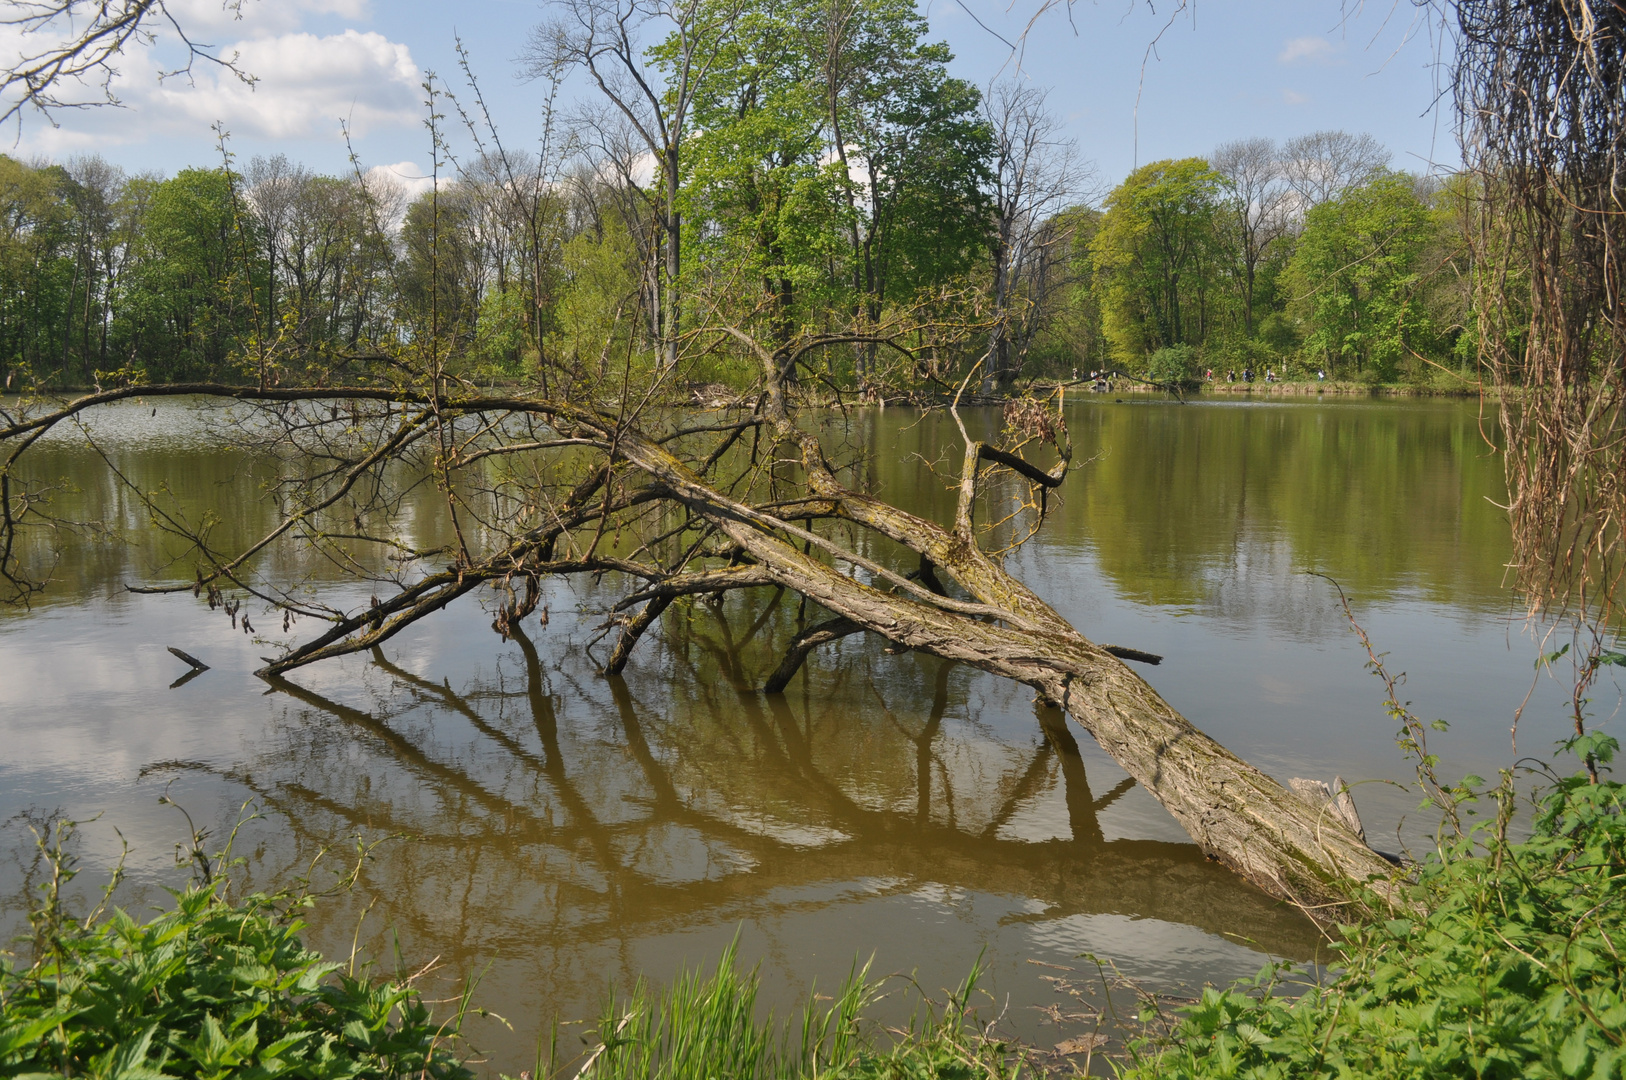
(189, 298)
(1260, 211)
(1035, 172)
(610, 39)
(763, 201)
(1356, 275)
(36, 264)
(917, 155)
(1155, 259)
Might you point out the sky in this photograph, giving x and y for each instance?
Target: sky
(1131, 84)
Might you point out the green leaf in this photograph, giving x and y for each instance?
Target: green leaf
(1575, 1055)
(16, 1036)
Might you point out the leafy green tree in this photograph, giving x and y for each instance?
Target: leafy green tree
(444, 268)
(36, 266)
(601, 287)
(762, 203)
(925, 153)
(836, 166)
(190, 298)
(1068, 335)
(1357, 278)
(1156, 261)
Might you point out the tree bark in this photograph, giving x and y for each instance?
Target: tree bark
(818, 634)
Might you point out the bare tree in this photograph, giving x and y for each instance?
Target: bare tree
(1036, 173)
(72, 48)
(1260, 203)
(615, 167)
(609, 40)
(1323, 165)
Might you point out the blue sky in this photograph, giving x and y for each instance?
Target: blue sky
(1226, 69)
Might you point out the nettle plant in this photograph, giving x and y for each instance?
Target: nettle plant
(216, 986)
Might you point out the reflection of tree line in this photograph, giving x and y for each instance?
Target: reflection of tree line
(1396, 495)
(1385, 496)
(502, 851)
(85, 492)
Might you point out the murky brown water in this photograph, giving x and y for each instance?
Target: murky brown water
(559, 829)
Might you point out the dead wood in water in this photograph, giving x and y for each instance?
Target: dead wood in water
(698, 508)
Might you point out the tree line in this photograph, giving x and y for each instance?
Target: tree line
(783, 166)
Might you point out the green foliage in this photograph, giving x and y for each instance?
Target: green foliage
(1175, 366)
(36, 265)
(1359, 277)
(186, 305)
(1505, 962)
(830, 173)
(1155, 258)
(593, 319)
(442, 277)
(212, 989)
(499, 333)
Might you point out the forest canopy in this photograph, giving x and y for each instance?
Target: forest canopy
(787, 167)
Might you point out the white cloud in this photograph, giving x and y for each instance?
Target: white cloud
(413, 179)
(306, 85)
(1305, 50)
(1293, 97)
(259, 18)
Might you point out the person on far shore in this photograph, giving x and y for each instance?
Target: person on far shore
(1322, 375)
(1247, 374)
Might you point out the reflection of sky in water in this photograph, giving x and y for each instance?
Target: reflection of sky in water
(885, 804)
(1153, 950)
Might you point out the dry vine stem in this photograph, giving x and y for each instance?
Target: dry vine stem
(1541, 93)
(701, 505)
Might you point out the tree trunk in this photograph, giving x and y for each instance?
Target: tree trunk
(1236, 813)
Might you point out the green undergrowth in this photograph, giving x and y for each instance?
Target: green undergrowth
(215, 987)
(707, 1028)
(220, 987)
(1506, 963)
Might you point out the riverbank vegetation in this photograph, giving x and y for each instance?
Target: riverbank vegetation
(1508, 964)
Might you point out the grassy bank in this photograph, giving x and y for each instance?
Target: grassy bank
(1442, 386)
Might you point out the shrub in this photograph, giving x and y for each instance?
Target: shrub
(1510, 967)
(210, 989)
(1175, 366)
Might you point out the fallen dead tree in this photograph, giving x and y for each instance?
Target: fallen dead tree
(701, 505)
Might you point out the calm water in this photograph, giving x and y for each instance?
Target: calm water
(556, 829)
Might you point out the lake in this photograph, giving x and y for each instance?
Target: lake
(549, 829)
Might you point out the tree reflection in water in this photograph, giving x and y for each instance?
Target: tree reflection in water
(568, 827)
